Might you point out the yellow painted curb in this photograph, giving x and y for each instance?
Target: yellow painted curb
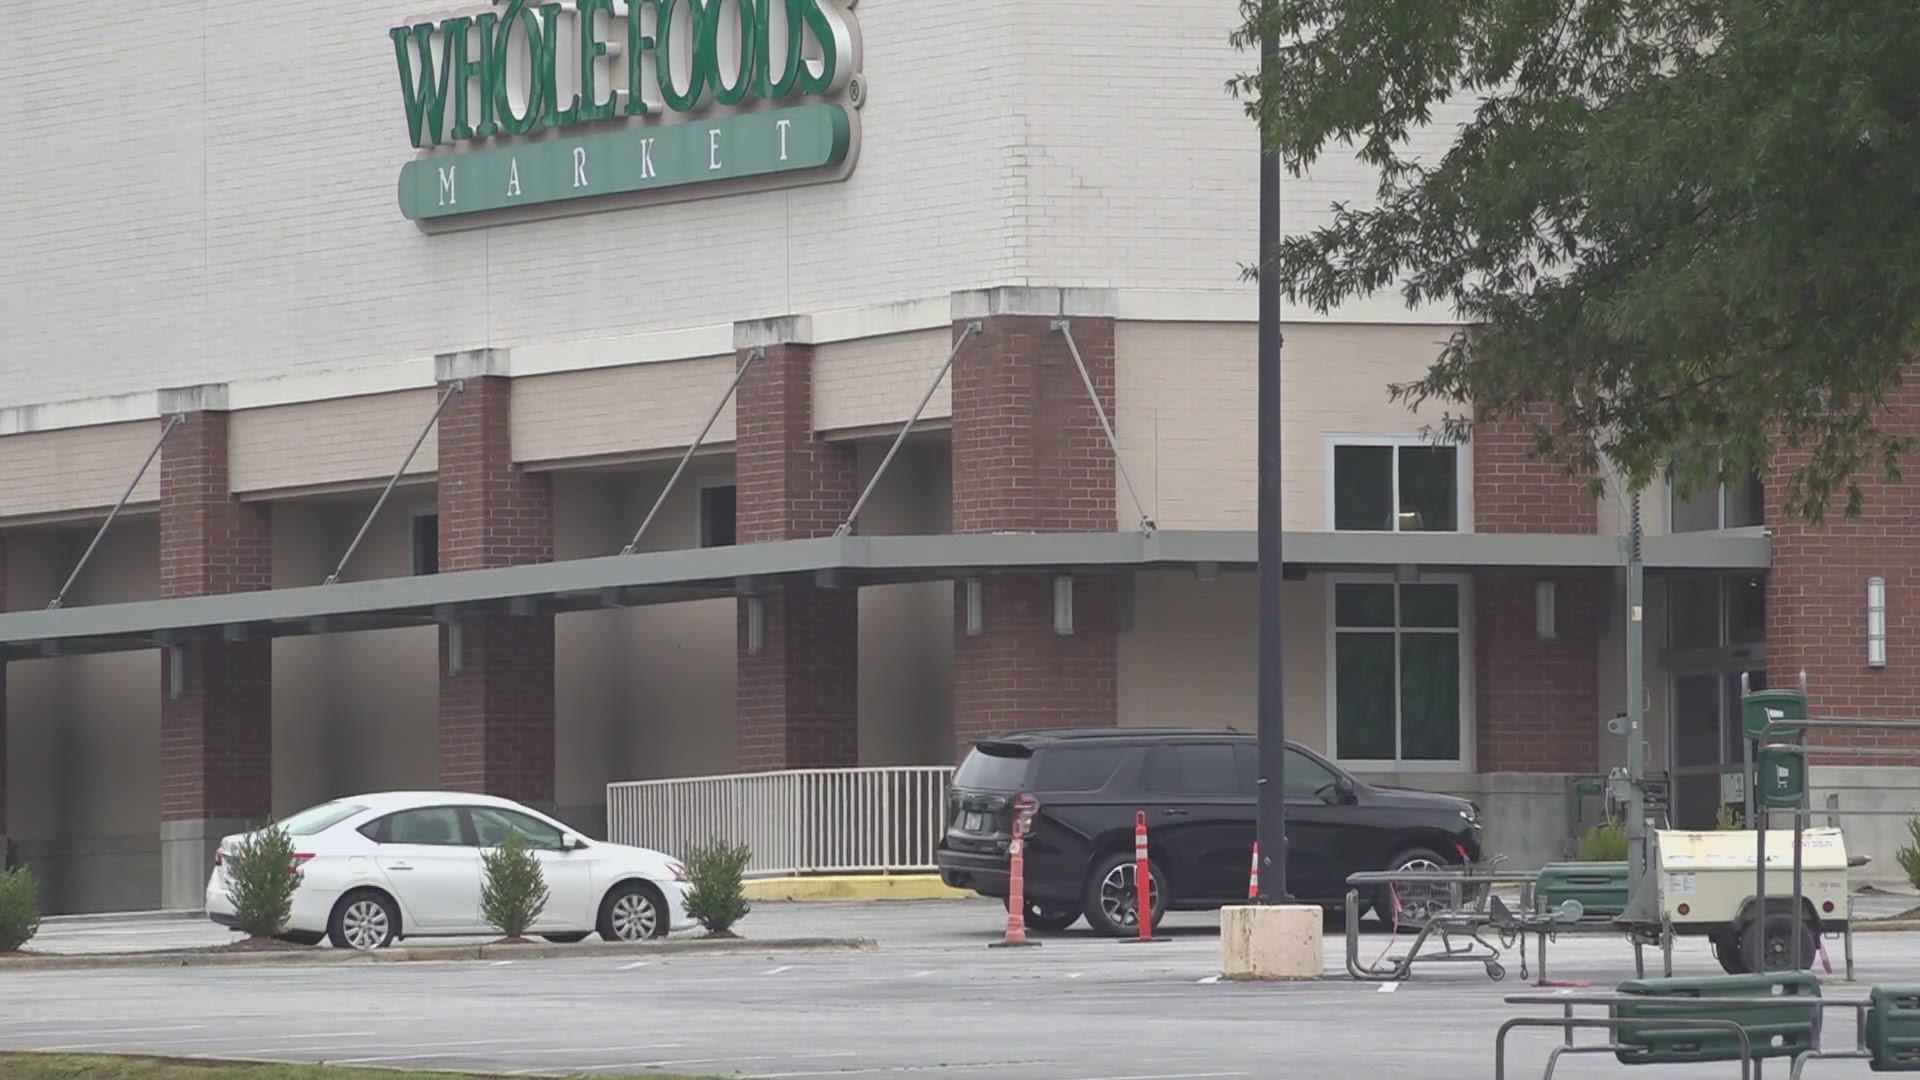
(854, 888)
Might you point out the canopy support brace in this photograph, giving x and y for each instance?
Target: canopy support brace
(1066, 330)
(173, 421)
(846, 527)
(752, 355)
(458, 386)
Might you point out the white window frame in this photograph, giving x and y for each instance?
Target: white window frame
(1462, 481)
(1465, 631)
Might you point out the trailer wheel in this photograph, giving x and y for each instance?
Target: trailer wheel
(1773, 936)
(1726, 949)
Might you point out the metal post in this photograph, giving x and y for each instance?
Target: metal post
(458, 386)
(1271, 831)
(172, 422)
(1636, 706)
(1799, 827)
(846, 527)
(1066, 330)
(1760, 888)
(1748, 778)
(752, 355)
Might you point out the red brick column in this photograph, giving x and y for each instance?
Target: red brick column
(216, 712)
(1029, 456)
(1538, 701)
(1817, 598)
(799, 692)
(496, 695)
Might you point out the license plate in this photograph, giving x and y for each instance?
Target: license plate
(973, 822)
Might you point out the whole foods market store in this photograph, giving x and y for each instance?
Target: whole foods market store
(1437, 660)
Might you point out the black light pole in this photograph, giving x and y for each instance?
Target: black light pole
(1272, 726)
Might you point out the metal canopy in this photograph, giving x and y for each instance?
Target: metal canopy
(706, 573)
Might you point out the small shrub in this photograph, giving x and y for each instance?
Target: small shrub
(716, 897)
(1909, 856)
(515, 892)
(19, 908)
(1729, 819)
(261, 878)
(1604, 843)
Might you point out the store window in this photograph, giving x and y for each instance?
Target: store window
(426, 543)
(1395, 486)
(717, 509)
(1399, 671)
(1711, 611)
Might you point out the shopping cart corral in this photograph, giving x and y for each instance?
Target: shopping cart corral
(1455, 916)
(1451, 912)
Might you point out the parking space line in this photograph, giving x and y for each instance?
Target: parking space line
(635, 964)
(57, 1032)
(896, 1069)
(625, 1065)
(781, 968)
(417, 1057)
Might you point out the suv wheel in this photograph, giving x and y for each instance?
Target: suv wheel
(1417, 902)
(1050, 917)
(1113, 897)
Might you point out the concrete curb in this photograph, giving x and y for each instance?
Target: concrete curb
(852, 888)
(430, 953)
(1884, 926)
(105, 918)
(191, 1059)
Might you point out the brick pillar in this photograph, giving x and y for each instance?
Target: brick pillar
(1538, 700)
(1817, 603)
(799, 693)
(6, 845)
(496, 694)
(1029, 456)
(216, 711)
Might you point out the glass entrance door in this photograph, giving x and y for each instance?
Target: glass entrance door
(1706, 744)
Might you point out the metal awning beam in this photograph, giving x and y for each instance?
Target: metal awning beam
(698, 573)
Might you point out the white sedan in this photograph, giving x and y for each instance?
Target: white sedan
(378, 868)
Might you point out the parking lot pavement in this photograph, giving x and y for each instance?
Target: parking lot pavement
(933, 999)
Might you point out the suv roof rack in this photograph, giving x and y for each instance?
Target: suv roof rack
(1040, 735)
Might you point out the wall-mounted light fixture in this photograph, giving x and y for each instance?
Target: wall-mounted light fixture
(1063, 605)
(976, 607)
(1543, 613)
(756, 625)
(1877, 622)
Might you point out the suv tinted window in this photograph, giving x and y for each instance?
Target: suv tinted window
(1304, 777)
(1192, 769)
(991, 772)
(1077, 768)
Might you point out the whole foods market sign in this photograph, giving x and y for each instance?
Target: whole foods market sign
(524, 109)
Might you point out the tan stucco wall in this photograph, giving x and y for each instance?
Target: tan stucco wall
(875, 381)
(906, 631)
(54, 472)
(330, 442)
(1187, 415)
(622, 410)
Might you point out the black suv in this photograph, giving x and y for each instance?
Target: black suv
(1197, 787)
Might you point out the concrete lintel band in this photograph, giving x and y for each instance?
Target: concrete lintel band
(472, 364)
(1029, 300)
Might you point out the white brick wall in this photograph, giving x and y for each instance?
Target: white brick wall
(226, 220)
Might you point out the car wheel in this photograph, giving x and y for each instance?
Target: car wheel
(301, 937)
(565, 939)
(1417, 903)
(1112, 903)
(364, 920)
(1050, 917)
(633, 911)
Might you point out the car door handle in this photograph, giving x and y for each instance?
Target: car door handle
(398, 866)
(1175, 813)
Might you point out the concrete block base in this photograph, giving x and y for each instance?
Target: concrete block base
(186, 859)
(1279, 943)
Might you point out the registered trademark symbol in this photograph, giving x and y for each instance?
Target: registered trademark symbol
(857, 91)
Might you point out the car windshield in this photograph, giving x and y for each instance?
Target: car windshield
(984, 771)
(316, 819)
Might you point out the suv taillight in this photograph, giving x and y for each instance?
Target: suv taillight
(1025, 809)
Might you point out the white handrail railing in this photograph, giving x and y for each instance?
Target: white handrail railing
(805, 821)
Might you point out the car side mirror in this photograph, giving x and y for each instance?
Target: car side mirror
(1344, 791)
(570, 842)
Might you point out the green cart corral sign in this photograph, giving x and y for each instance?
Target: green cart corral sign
(524, 110)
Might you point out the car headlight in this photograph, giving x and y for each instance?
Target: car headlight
(679, 872)
(1471, 814)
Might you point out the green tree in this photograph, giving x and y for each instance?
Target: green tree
(717, 895)
(515, 891)
(19, 908)
(1679, 223)
(261, 878)
(1908, 855)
